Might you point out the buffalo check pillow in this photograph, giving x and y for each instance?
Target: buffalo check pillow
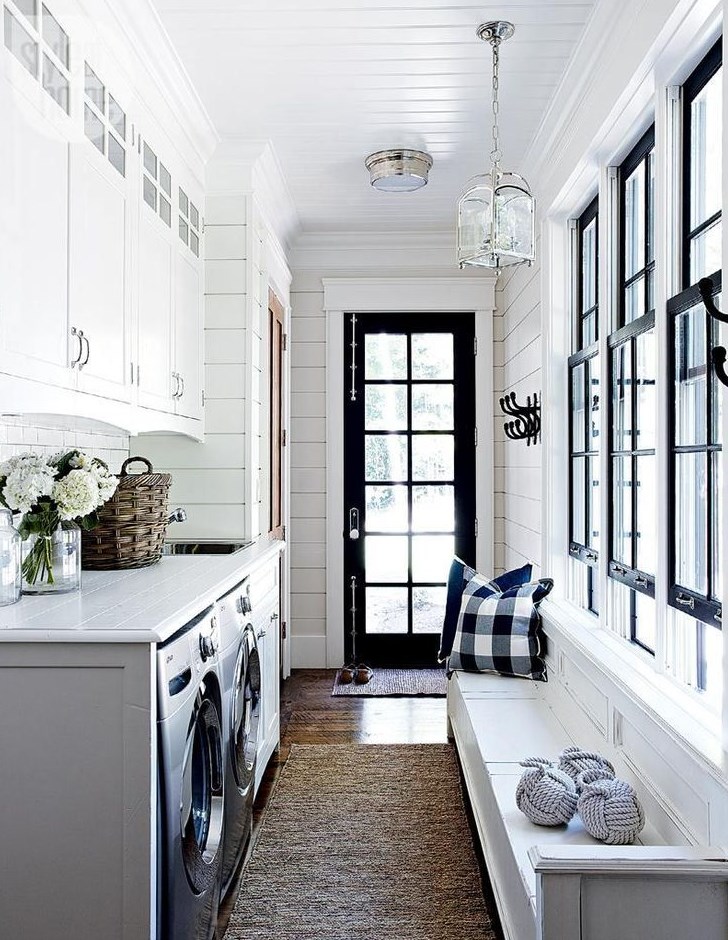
(500, 632)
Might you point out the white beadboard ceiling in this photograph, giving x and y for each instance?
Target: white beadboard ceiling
(329, 81)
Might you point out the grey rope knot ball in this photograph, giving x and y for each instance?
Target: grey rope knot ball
(609, 809)
(545, 794)
(575, 761)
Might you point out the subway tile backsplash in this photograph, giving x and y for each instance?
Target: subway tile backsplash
(50, 434)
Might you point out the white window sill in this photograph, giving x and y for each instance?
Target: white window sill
(676, 711)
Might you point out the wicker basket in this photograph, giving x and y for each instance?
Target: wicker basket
(132, 524)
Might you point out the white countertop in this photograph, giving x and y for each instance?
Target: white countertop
(145, 605)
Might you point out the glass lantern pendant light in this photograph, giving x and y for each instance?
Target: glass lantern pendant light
(496, 213)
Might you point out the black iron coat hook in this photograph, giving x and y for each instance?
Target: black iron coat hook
(718, 355)
(527, 424)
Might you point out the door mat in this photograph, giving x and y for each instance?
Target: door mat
(432, 682)
(364, 842)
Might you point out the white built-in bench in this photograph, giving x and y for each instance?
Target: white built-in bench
(559, 883)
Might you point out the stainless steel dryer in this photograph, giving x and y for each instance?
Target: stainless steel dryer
(241, 714)
(191, 781)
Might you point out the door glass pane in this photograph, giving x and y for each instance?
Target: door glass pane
(646, 377)
(578, 500)
(194, 244)
(55, 83)
(432, 407)
(716, 387)
(622, 397)
(622, 495)
(55, 38)
(117, 118)
(387, 610)
(94, 128)
(387, 557)
(690, 531)
(385, 408)
(646, 496)
(183, 230)
(650, 214)
(593, 497)
(645, 627)
(385, 356)
(433, 457)
(19, 41)
(433, 508)
(432, 356)
(95, 91)
(29, 9)
(431, 557)
(165, 179)
(117, 157)
(386, 509)
(184, 204)
(150, 161)
(690, 377)
(194, 216)
(165, 208)
(634, 222)
(385, 457)
(593, 402)
(150, 193)
(577, 408)
(428, 609)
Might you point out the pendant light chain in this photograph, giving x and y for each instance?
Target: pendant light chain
(495, 154)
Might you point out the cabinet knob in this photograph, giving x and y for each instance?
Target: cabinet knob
(261, 634)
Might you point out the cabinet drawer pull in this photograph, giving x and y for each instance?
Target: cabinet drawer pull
(77, 334)
(182, 385)
(684, 601)
(175, 390)
(84, 339)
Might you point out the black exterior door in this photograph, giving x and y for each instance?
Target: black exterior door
(409, 465)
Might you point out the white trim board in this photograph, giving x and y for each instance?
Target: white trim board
(401, 295)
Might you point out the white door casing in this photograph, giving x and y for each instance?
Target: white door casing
(447, 295)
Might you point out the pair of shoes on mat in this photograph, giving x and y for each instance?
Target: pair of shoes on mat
(360, 674)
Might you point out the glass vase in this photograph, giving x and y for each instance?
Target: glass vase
(9, 560)
(52, 562)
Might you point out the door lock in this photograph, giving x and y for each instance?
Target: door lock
(353, 523)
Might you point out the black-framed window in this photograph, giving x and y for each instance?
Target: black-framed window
(702, 168)
(633, 403)
(584, 403)
(695, 472)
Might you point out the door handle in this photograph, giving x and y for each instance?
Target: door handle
(353, 523)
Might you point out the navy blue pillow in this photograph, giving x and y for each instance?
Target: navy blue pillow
(459, 575)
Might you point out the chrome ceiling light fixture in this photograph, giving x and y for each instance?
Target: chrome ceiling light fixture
(398, 171)
(496, 213)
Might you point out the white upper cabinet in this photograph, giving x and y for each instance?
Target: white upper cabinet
(155, 305)
(100, 246)
(101, 280)
(34, 327)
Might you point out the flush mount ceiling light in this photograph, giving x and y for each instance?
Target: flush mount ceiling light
(496, 213)
(398, 171)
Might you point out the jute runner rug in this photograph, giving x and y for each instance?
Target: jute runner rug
(368, 842)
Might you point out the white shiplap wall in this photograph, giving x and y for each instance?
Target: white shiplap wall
(517, 368)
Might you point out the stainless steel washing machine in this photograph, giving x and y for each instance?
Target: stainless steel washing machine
(191, 781)
(240, 667)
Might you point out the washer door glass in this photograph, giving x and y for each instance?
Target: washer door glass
(201, 803)
(246, 713)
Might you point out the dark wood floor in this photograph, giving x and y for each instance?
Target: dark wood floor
(311, 715)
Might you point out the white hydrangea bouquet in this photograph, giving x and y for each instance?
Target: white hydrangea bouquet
(53, 493)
